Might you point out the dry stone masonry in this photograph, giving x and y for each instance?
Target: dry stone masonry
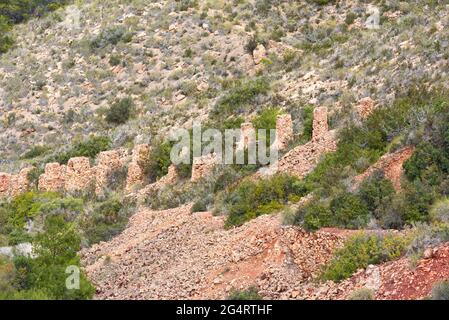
(365, 107)
(79, 175)
(12, 185)
(53, 178)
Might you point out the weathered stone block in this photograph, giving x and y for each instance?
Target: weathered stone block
(54, 178)
(5, 184)
(79, 176)
(284, 130)
(320, 125)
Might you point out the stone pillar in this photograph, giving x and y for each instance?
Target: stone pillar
(284, 130)
(203, 166)
(247, 135)
(79, 177)
(20, 182)
(320, 126)
(5, 184)
(136, 169)
(365, 107)
(54, 178)
(108, 163)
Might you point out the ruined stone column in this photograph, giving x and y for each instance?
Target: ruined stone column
(365, 107)
(320, 126)
(20, 182)
(54, 178)
(108, 163)
(136, 169)
(284, 130)
(79, 176)
(203, 166)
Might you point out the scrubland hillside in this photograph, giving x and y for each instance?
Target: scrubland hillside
(357, 209)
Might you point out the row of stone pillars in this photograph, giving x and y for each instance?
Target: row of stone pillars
(78, 175)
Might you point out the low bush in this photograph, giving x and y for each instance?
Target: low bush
(266, 120)
(239, 96)
(107, 219)
(44, 277)
(425, 236)
(35, 152)
(111, 36)
(90, 148)
(361, 251)
(250, 199)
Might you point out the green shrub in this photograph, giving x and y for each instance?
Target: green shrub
(107, 220)
(313, 216)
(120, 112)
(250, 199)
(350, 18)
(439, 211)
(35, 152)
(345, 210)
(248, 294)
(56, 249)
(111, 36)
(266, 120)
(34, 206)
(376, 191)
(425, 236)
(88, 148)
(440, 291)
(241, 94)
(361, 251)
(159, 160)
(115, 60)
(349, 211)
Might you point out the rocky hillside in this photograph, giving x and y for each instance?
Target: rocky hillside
(176, 59)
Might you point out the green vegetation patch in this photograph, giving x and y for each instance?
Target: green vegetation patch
(361, 251)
